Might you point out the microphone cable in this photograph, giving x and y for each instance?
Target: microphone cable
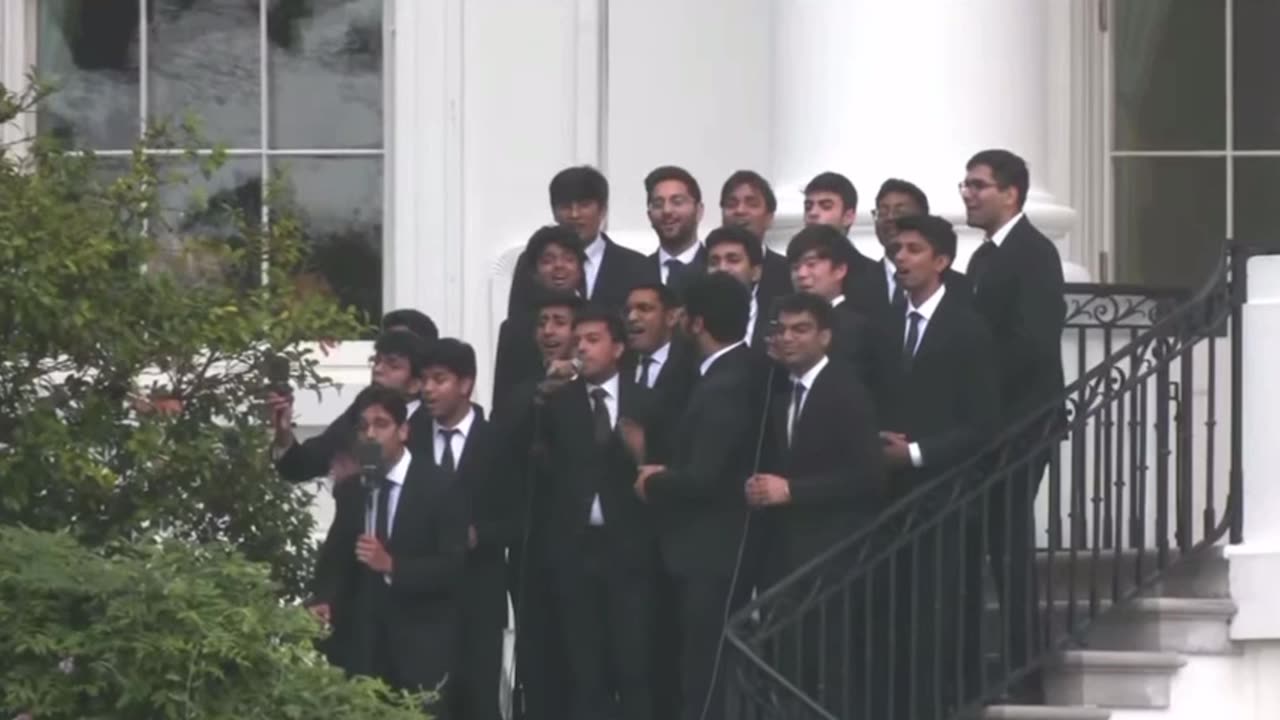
(742, 543)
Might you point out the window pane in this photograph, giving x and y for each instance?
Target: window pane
(90, 49)
(203, 61)
(339, 204)
(1170, 67)
(1256, 220)
(326, 73)
(1255, 26)
(1170, 216)
(199, 207)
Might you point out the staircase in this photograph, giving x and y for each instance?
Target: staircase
(1135, 491)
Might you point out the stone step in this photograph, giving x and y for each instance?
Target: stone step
(1111, 679)
(1044, 712)
(1202, 575)
(1193, 626)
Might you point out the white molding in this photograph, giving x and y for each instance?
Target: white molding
(589, 82)
(17, 51)
(425, 243)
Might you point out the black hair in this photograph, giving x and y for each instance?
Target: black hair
(1007, 169)
(904, 187)
(756, 181)
(611, 319)
(939, 233)
(406, 345)
(666, 295)
(544, 298)
(386, 398)
(454, 355)
(834, 182)
(802, 302)
(737, 235)
(825, 241)
(549, 235)
(580, 183)
(417, 322)
(671, 172)
(723, 303)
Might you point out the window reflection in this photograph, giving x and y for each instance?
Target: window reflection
(338, 202)
(1170, 219)
(196, 210)
(326, 73)
(90, 49)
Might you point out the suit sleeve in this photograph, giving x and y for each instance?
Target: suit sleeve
(521, 294)
(859, 469)
(492, 511)
(1038, 314)
(310, 458)
(977, 379)
(724, 423)
(336, 560)
(438, 570)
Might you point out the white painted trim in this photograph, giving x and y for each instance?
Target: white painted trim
(16, 56)
(1088, 113)
(588, 131)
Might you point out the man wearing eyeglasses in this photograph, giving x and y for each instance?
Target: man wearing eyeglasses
(674, 203)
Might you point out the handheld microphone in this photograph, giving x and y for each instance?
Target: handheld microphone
(373, 468)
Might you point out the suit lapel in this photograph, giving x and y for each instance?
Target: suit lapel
(935, 330)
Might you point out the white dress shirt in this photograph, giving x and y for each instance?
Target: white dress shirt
(591, 268)
(713, 357)
(835, 302)
(752, 315)
(890, 276)
(659, 358)
(459, 439)
(999, 236)
(926, 311)
(686, 256)
(807, 380)
(610, 388)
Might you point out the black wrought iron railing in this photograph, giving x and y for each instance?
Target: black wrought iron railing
(947, 601)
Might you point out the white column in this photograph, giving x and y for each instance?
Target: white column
(16, 58)
(1255, 564)
(911, 89)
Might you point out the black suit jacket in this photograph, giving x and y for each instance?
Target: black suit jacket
(1020, 295)
(310, 458)
(948, 398)
(877, 286)
(775, 280)
(856, 342)
(491, 510)
(697, 267)
(834, 466)
(621, 269)
(670, 395)
(517, 358)
(699, 501)
(417, 612)
(579, 469)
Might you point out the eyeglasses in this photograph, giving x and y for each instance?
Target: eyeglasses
(974, 186)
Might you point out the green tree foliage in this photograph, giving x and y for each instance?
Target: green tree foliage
(135, 342)
(162, 630)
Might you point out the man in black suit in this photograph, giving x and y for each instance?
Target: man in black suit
(831, 199)
(945, 411)
(1018, 290)
(395, 555)
(580, 200)
(822, 480)
(601, 544)
(697, 496)
(733, 249)
(557, 263)
(747, 200)
(898, 199)
(463, 445)
(541, 667)
(819, 266)
(674, 202)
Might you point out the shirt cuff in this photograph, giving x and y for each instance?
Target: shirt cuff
(917, 460)
(278, 452)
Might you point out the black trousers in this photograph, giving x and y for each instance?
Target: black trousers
(479, 667)
(606, 606)
(698, 604)
(542, 668)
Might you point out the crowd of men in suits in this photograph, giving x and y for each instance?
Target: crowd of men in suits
(646, 410)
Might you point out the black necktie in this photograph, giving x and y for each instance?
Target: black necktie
(980, 261)
(447, 461)
(600, 416)
(384, 503)
(913, 337)
(646, 362)
(797, 399)
(674, 269)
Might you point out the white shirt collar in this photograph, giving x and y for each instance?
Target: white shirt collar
(463, 427)
(398, 471)
(835, 302)
(412, 407)
(595, 250)
(686, 257)
(752, 314)
(811, 375)
(930, 306)
(706, 364)
(660, 355)
(610, 386)
(999, 236)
